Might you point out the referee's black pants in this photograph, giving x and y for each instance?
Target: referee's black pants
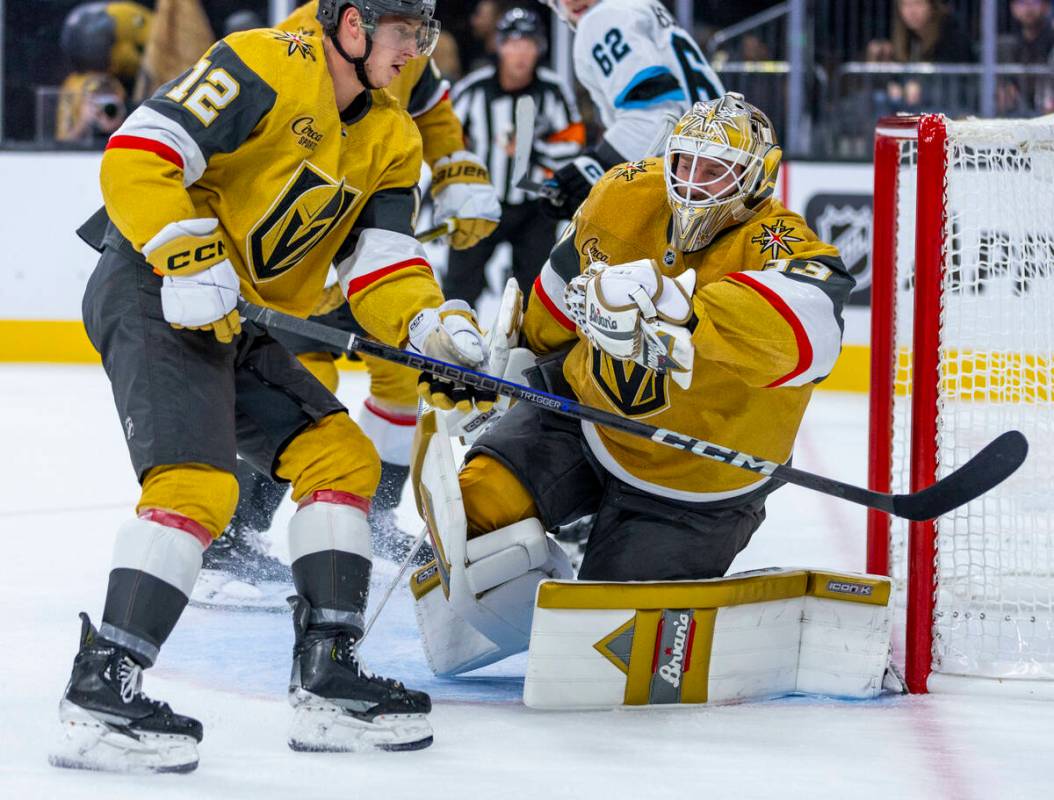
(531, 235)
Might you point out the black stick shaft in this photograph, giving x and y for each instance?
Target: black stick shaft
(992, 465)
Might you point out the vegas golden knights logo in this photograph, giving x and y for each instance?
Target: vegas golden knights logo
(310, 206)
(634, 390)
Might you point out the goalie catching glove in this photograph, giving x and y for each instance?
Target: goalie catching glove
(200, 287)
(635, 313)
(450, 333)
(463, 195)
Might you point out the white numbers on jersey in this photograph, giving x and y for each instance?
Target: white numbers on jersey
(209, 96)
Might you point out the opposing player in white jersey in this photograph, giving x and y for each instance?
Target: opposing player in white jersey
(640, 69)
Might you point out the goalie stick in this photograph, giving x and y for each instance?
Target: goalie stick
(990, 467)
(431, 234)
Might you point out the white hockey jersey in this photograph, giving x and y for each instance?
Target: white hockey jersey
(637, 64)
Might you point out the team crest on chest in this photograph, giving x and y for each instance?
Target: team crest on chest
(296, 44)
(776, 239)
(634, 390)
(310, 206)
(630, 170)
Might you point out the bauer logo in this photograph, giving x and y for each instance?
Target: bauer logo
(843, 587)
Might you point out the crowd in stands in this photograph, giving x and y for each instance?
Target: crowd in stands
(854, 81)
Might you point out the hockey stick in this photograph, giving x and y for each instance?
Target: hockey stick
(996, 461)
(431, 234)
(420, 540)
(524, 116)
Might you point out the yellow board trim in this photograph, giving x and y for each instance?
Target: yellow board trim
(642, 653)
(719, 594)
(45, 342)
(695, 681)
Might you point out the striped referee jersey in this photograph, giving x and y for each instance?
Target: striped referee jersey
(487, 115)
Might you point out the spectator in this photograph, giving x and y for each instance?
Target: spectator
(91, 106)
(484, 101)
(1033, 40)
(927, 31)
(480, 49)
(1029, 45)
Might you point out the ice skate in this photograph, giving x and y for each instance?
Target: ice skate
(108, 724)
(339, 706)
(238, 573)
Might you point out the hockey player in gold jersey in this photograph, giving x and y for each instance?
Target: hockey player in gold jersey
(463, 195)
(683, 294)
(251, 174)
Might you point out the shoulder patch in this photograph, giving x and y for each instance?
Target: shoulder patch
(776, 239)
(296, 43)
(629, 170)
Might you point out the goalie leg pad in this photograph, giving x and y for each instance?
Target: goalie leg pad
(492, 619)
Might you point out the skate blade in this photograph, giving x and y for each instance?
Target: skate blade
(325, 728)
(215, 590)
(86, 743)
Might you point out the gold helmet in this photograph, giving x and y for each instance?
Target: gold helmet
(721, 163)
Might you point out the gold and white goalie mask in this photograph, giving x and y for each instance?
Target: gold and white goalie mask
(721, 163)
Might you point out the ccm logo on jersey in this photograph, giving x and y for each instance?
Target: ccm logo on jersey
(861, 589)
(204, 256)
(309, 137)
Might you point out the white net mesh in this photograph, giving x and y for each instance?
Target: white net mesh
(994, 614)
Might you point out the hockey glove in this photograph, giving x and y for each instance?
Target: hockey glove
(450, 333)
(635, 313)
(200, 287)
(462, 192)
(573, 183)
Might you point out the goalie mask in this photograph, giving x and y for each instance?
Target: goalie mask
(721, 163)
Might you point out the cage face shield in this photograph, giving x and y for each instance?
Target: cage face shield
(721, 162)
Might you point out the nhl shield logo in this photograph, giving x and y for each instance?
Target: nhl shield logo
(845, 221)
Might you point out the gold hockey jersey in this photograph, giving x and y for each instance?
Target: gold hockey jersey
(419, 88)
(252, 136)
(768, 304)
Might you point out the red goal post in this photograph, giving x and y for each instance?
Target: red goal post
(962, 348)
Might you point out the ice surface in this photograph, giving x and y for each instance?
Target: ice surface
(65, 486)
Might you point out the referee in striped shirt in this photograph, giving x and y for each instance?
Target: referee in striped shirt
(484, 101)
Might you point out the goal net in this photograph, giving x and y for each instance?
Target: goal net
(962, 350)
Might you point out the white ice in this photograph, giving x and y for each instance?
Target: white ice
(65, 486)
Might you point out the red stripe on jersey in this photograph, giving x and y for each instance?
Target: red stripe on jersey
(360, 283)
(547, 301)
(408, 420)
(337, 497)
(170, 519)
(149, 145)
(785, 311)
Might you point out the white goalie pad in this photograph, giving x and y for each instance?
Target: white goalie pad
(746, 637)
(475, 602)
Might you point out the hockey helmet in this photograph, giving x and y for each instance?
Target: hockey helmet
(720, 164)
(521, 23)
(372, 11)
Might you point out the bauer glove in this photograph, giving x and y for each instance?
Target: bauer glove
(635, 313)
(450, 333)
(200, 287)
(463, 194)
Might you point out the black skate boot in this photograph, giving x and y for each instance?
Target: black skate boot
(388, 539)
(237, 570)
(339, 705)
(109, 724)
